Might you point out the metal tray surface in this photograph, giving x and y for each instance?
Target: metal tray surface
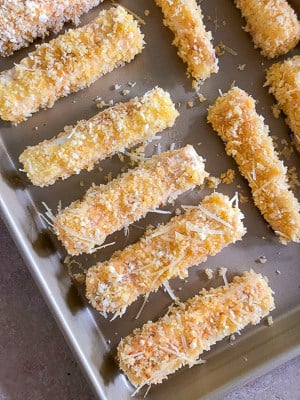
(92, 338)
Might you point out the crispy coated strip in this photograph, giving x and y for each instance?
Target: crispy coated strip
(272, 24)
(158, 349)
(23, 21)
(246, 138)
(164, 253)
(105, 134)
(284, 81)
(184, 18)
(69, 63)
(108, 208)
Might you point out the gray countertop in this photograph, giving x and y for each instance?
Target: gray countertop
(36, 363)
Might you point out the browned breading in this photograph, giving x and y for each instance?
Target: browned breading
(23, 21)
(109, 132)
(284, 81)
(158, 349)
(164, 253)
(273, 25)
(69, 63)
(184, 18)
(247, 139)
(108, 208)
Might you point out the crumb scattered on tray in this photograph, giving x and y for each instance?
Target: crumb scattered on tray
(227, 177)
(125, 92)
(209, 273)
(262, 259)
(147, 13)
(270, 320)
(221, 48)
(276, 110)
(241, 67)
(278, 272)
(201, 97)
(190, 103)
(293, 178)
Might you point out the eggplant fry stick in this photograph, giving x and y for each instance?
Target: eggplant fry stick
(273, 25)
(69, 63)
(164, 253)
(184, 18)
(21, 22)
(158, 349)
(108, 208)
(284, 81)
(234, 118)
(109, 132)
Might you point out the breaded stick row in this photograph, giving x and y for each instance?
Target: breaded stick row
(284, 81)
(23, 21)
(164, 253)
(69, 63)
(184, 18)
(158, 349)
(108, 208)
(109, 132)
(273, 25)
(234, 118)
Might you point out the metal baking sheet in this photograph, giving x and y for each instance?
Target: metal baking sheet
(94, 339)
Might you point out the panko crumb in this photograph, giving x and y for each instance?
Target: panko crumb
(221, 48)
(293, 178)
(125, 92)
(201, 97)
(227, 177)
(270, 320)
(276, 110)
(243, 199)
(209, 273)
(262, 259)
(147, 13)
(190, 104)
(241, 67)
(212, 182)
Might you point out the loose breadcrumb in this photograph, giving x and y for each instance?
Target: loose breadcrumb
(158, 349)
(164, 253)
(184, 18)
(284, 81)
(209, 273)
(68, 63)
(221, 48)
(241, 67)
(227, 177)
(107, 133)
(108, 208)
(21, 22)
(272, 24)
(270, 320)
(246, 138)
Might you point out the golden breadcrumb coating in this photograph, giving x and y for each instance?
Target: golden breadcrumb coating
(158, 349)
(234, 118)
(69, 63)
(284, 81)
(164, 253)
(109, 132)
(22, 21)
(108, 208)
(273, 25)
(184, 18)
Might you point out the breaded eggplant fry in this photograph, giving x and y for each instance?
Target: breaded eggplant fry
(284, 81)
(109, 132)
(21, 22)
(184, 18)
(164, 253)
(273, 25)
(69, 63)
(108, 208)
(247, 140)
(158, 349)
